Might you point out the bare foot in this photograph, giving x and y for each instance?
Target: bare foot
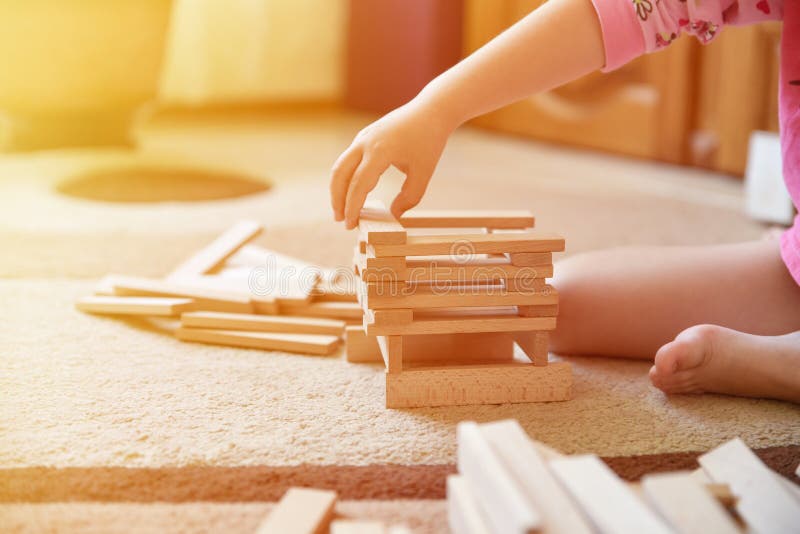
(714, 359)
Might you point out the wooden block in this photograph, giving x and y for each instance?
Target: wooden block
(445, 321)
(432, 297)
(300, 511)
(390, 317)
(523, 285)
(721, 492)
(764, 502)
(214, 255)
(605, 499)
(359, 347)
(377, 226)
(550, 310)
(528, 467)
(349, 526)
(464, 514)
(334, 291)
(468, 244)
(302, 343)
(263, 323)
(394, 269)
(265, 306)
(461, 385)
(467, 218)
(277, 276)
(531, 259)
(112, 305)
(238, 285)
(392, 352)
(333, 310)
(506, 508)
(105, 286)
(534, 344)
(686, 505)
(438, 349)
(205, 299)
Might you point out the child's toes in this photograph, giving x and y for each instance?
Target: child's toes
(667, 358)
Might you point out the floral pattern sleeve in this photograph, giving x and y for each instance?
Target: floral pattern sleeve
(634, 27)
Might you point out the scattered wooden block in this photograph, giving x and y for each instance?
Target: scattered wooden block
(332, 310)
(687, 505)
(333, 291)
(392, 352)
(219, 250)
(205, 299)
(432, 297)
(763, 501)
(237, 285)
(527, 466)
(302, 343)
(349, 526)
(605, 499)
(112, 305)
(464, 514)
(460, 385)
(531, 259)
(467, 218)
(105, 286)
(469, 244)
(506, 508)
(447, 321)
(377, 226)
(534, 343)
(359, 347)
(263, 323)
(300, 511)
(721, 492)
(265, 306)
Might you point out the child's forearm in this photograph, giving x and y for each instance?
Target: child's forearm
(555, 44)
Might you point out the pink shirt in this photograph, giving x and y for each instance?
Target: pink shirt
(633, 27)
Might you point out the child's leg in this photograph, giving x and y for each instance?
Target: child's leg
(631, 302)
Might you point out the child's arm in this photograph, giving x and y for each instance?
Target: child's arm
(558, 42)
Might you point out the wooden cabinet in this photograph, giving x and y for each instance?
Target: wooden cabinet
(688, 104)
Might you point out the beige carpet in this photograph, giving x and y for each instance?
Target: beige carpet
(87, 403)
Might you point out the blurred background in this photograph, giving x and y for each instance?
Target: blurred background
(78, 72)
(196, 100)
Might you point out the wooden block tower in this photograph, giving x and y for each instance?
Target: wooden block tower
(448, 297)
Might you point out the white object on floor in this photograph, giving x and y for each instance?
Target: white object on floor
(766, 197)
(764, 502)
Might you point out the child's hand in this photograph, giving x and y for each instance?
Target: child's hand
(411, 138)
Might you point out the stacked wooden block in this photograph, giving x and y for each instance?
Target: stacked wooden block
(238, 294)
(509, 484)
(446, 297)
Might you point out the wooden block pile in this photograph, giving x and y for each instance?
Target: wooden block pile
(508, 484)
(446, 297)
(311, 511)
(238, 294)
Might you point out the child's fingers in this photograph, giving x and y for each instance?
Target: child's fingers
(411, 193)
(341, 173)
(364, 180)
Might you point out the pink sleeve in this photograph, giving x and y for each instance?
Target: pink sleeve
(632, 27)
